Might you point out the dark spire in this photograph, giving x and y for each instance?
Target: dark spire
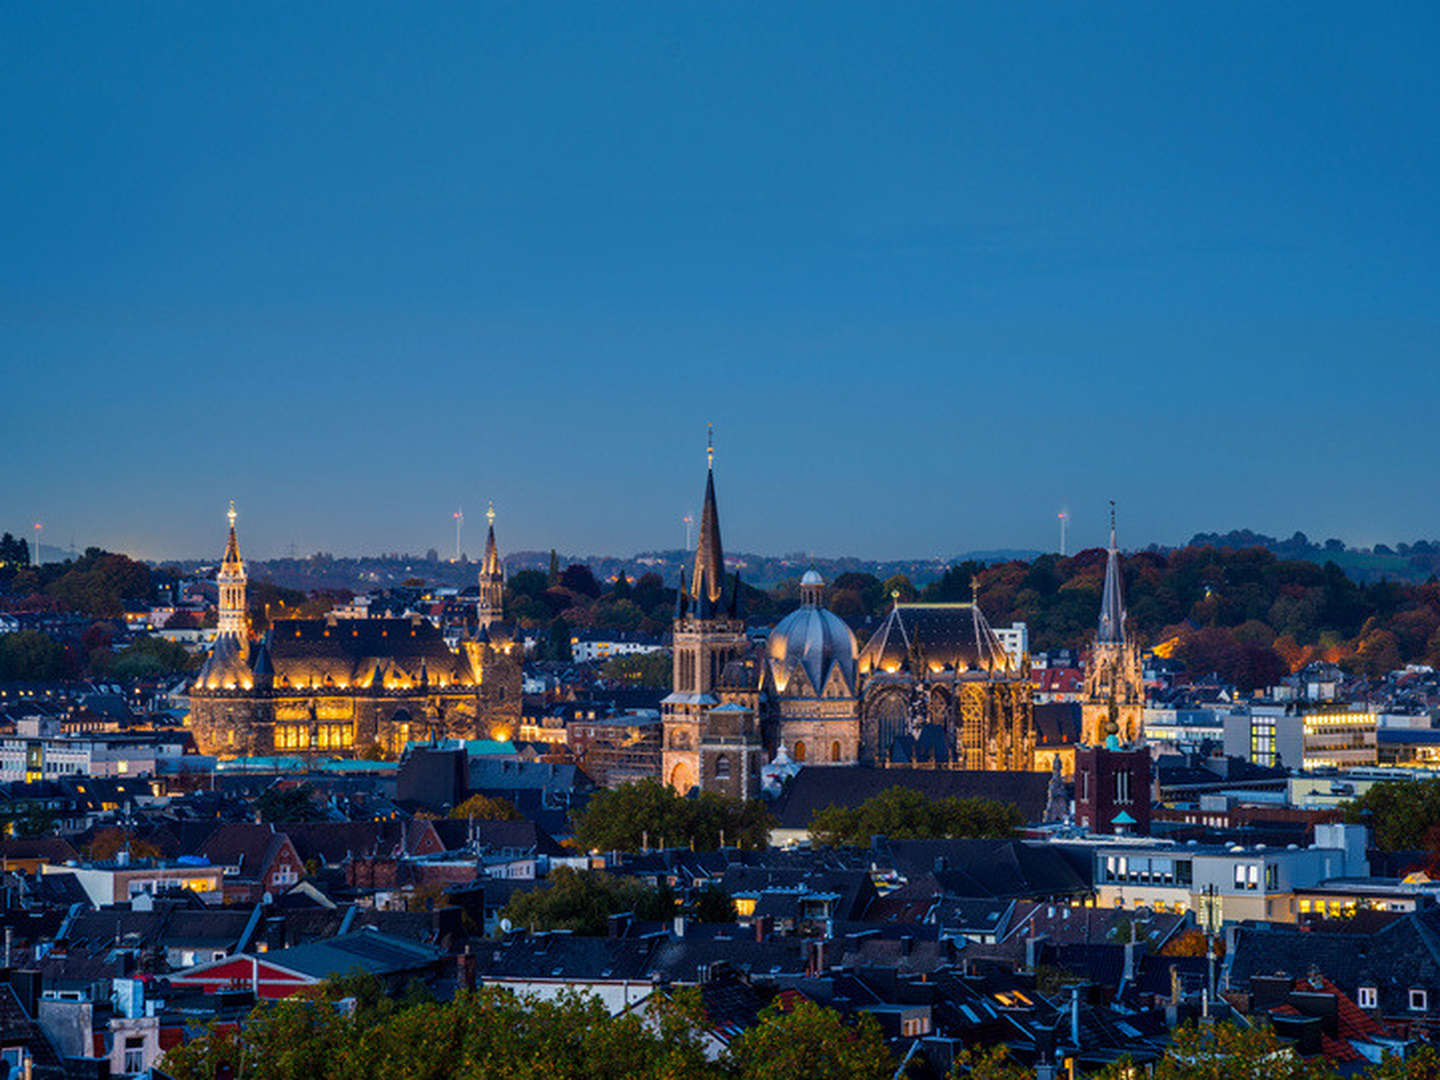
(1112, 601)
(680, 596)
(262, 664)
(709, 575)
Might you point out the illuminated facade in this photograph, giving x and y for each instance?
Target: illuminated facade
(1114, 703)
(937, 687)
(811, 682)
(341, 687)
(711, 732)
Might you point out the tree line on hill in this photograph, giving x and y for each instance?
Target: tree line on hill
(1246, 615)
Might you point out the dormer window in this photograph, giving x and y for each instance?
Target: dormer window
(1419, 1000)
(1369, 997)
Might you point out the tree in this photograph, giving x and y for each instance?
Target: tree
(583, 901)
(1224, 1050)
(648, 669)
(553, 578)
(108, 842)
(648, 813)
(904, 814)
(485, 808)
(811, 1043)
(31, 656)
(558, 647)
(578, 579)
(278, 805)
(1401, 813)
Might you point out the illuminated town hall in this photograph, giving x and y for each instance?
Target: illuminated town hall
(342, 687)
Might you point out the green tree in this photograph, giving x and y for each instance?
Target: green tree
(31, 656)
(903, 814)
(650, 669)
(1225, 1051)
(278, 805)
(485, 808)
(811, 1043)
(1402, 814)
(647, 812)
(584, 900)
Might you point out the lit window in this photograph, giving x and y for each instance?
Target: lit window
(1369, 997)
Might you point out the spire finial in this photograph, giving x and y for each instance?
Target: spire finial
(975, 589)
(490, 514)
(1112, 522)
(710, 446)
(231, 513)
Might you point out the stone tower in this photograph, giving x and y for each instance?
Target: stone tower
(234, 621)
(711, 735)
(490, 608)
(1114, 705)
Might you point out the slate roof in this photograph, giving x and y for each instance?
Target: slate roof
(370, 951)
(983, 868)
(251, 848)
(1399, 957)
(816, 787)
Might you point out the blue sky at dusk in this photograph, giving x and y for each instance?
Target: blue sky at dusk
(932, 271)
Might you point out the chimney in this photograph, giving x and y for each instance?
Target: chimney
(465, 969)
(907, 944)
(679, 926)
(762, 928)
(1130, 961)
(1032, 950)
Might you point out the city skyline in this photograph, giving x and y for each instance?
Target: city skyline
(934, 276)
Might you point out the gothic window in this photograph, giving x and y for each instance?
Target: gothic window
(799, 751)
(835, 751)
(722, 767)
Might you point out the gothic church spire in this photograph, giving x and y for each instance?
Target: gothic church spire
(708, 578)
(1112, 602)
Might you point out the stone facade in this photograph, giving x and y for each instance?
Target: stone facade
(339, 688)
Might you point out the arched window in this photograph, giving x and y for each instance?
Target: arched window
(835, 751)
(722, 767)
(799, 751)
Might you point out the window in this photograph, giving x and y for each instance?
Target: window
(799, 751)
(1252, 877)
(134, 1053)
(1122, 787)
(722, 767)
(835, 751)
(1419, 1000)
(1368, 998)
(1272, 876)
(1239, 876)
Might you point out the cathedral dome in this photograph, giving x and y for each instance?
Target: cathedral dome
(812, 577)
(815, 639)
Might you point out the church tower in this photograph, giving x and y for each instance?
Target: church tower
(234, 621)
(490, 608)
(711, 735)
(1114, 706)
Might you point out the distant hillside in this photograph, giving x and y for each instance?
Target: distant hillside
(1416, 562)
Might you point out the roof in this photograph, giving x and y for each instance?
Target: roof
(709, 574)
(814, 641)
(1111, 630)
(816, 787)
(371, 951)
(250, 848)
(954, 637)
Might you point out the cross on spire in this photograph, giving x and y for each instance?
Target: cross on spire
(710, 446)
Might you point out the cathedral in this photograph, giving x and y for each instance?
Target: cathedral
(933, 686)
(1114, 704)
(342, 687)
